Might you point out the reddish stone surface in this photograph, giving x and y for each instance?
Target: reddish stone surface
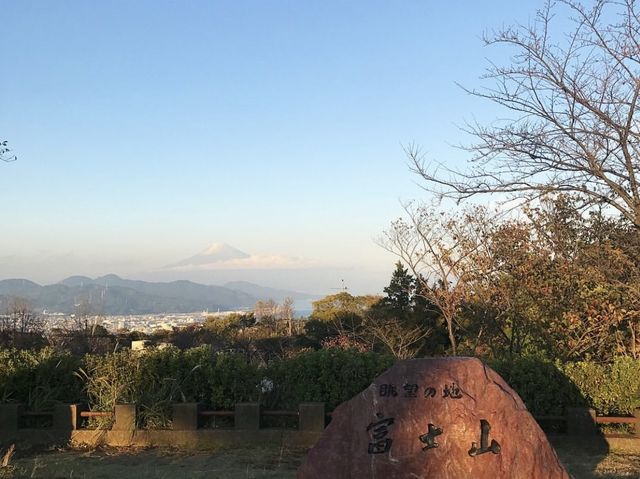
(453, 394)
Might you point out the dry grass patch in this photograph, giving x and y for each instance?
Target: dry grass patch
(103, 463)
(595, 459)
(584, 461)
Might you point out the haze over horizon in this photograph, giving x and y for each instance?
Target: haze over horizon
(145, 131)
(221, 263)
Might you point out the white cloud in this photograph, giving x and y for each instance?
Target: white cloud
(251, 262)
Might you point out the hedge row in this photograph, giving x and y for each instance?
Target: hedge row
(38, 378)
(156, 378)
(548, 388)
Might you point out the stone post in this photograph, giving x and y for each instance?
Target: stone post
(581, 421)
(247, 416)
(66, 417)
(10, 416)
(311, 416)
(185, 416)
(124, 417)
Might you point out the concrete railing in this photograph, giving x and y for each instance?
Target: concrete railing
(583, 421)
(67, 425)
(64, 417)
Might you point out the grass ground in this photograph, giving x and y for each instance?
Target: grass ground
(103, 463)
(598, 461)
(269, 463)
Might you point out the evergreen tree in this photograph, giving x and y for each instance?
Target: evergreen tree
(400, 293)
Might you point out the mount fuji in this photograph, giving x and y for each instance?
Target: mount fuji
(216, 253)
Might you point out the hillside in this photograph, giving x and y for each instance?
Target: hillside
(114, 295)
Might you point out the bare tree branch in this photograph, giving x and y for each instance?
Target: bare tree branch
(572, 102)
(444, 253)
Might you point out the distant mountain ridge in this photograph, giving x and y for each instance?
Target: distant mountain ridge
(113, 295)
(265, 292)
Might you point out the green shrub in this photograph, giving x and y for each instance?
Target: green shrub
(197, 368)
(233, 380)
(611, 389)
(548, 388)
(327, 375)
(217, 380)
(542, 384)
(154, 379)
(38, 378)
(109, 380)
(150, 379)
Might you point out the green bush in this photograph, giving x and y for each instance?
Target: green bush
(548, 388)
(38, 378)
(327, 375)
(542, 385)
(197, 369)
(150, 379)
(154, 379)
(218, 380)
(234, 380)
(611, 389)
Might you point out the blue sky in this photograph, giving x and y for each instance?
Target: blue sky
(147, 130)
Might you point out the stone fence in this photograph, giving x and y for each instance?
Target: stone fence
(65, 424)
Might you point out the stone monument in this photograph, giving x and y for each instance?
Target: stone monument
(444, 418)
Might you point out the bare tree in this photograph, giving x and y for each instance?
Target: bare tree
(571, 101)
(21, 318)
(446, 253)
(402, 341)
(286, 312)
(265, 309)
(266, 313)
(21, 326)
(83, 312)
(84, 332)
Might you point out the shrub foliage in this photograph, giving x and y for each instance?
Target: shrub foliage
(154, 379)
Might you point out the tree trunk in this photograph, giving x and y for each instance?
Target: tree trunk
(452, 338)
